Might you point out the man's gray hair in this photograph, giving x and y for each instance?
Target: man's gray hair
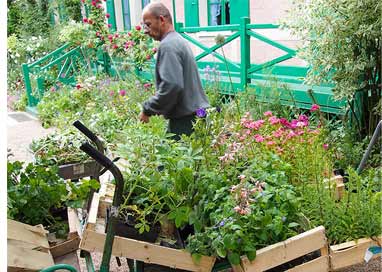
(158, 9)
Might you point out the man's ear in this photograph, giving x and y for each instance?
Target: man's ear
(162, 19)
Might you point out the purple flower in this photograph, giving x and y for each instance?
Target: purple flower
(201, 112)
(218, 109)
(222, 223)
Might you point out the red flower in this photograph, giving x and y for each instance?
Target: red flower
(109, 25)
(85, 20)
(90, 21)
(98, 34)
(314, 107)
(99, 6)
(93, 3)
(78, 86)
(107, 15)
(155, 49)
(148, 57)
(115, 46)
(122, 92)
(129, 33)
(110, 37)
(138, 27)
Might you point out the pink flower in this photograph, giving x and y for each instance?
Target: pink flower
(78, 86)
(129, 33)
(314, 107)
(259, 138)
(111, 93)
(270, 143)
(99, 6)
(284, 122)
(274, 120)
(93, 3)
(325, 146)
(148, 57)
(155, 49)
(110, 37)
(98, 34)
(115, 46)
(268, 113)
(241, 177)
(147, 85)
(138, 27)
(122, 92)
(53, 89)
(278, 133)
(85, 20)
(109, 25)
(237, 209)
(107, 15)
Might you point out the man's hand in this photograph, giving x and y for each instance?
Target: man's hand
(144, 118)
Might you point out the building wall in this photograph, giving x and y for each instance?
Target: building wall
(261, 12)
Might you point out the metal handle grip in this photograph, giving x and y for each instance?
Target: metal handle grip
(96, 155)
(81, 127)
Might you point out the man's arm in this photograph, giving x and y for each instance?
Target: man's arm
(171, 85)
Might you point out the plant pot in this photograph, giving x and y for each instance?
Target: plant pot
(125, 227)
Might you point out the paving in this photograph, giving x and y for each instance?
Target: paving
(23, 128)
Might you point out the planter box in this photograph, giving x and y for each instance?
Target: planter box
(28, 247)
(93, 239)
(351, 253)
(290, 249)
(73, 240)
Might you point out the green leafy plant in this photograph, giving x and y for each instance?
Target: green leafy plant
(342, 43)
(37, 192)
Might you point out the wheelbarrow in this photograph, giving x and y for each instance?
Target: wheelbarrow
(108, 165)
(100, 158)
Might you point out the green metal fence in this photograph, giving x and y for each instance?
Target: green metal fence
(267, 80)
(261, 78)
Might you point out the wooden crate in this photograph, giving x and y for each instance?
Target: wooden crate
(93, 239)
(28, 247)
(73, 240)
(351, 253)
(290, 249)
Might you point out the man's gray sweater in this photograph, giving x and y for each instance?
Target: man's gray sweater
(179, 91)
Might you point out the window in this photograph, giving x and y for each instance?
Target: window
(217, 14)
(145, 3)
(126, 14)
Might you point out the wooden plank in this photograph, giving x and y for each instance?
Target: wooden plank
(65, 247)
(23, 258)
(92, 218)
(74, 224)
(287, 250)
(70, 258)
(104, 203)
(351, 253)
(321, 264)
(146, 252)
(35, 235)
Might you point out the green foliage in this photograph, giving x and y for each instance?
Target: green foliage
(58, 148)
(36, 192)
(356, 215)
(343, 42)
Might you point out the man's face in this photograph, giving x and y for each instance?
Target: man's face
(153, 25)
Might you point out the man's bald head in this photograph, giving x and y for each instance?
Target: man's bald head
(158, 9)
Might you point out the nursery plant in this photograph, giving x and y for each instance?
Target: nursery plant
(36, 193)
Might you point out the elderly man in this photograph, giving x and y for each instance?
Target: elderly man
(179, 90)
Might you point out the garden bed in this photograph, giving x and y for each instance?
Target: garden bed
(351, 253)
(290, 249)
(93, 239)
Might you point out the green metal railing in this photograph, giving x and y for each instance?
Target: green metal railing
(260, 78)
(266, 80)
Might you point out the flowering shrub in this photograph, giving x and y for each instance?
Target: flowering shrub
(133, 46)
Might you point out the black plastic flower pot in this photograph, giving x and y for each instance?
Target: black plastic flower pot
(125, 227)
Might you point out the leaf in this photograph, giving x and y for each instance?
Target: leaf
(221, 252)
(251, 255)
(234, 258)
(196, 257)
(293, 225)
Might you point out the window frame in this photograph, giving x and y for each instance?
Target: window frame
(223, 11)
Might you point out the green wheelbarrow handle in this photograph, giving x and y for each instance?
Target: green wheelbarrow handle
(59, 266)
